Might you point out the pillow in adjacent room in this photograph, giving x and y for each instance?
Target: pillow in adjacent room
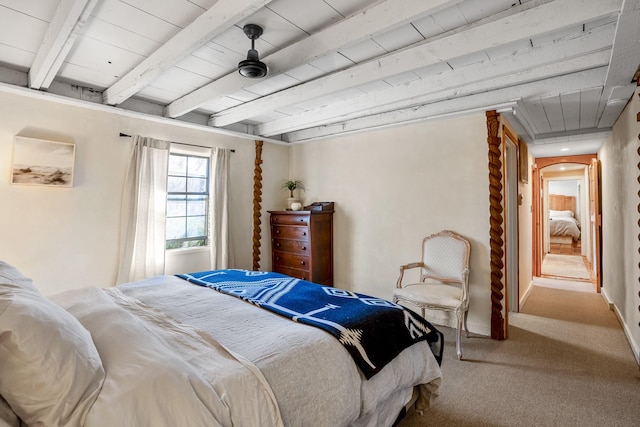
(560, 214)
(50, 370)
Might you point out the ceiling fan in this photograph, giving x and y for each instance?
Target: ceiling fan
(252, 67)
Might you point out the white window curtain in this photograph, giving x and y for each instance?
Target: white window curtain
(144, 206)
(221, 254)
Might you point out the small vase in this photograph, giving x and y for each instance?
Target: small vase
(291, 201)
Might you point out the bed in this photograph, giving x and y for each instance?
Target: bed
(564, 228)
(169, 352)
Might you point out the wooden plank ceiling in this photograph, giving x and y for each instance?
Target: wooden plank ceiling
(561, 69)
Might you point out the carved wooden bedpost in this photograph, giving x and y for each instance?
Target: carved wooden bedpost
(257, 205)
(496, 226)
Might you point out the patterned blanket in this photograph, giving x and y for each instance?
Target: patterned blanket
(373, 330)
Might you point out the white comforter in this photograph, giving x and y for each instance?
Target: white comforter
(162, 373)
(564, 226)
(183, 355)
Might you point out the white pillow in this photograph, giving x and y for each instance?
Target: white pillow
(11, 277)
(8, 418)
(560, 214)
(50, 370)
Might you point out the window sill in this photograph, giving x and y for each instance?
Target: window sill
(184, 251)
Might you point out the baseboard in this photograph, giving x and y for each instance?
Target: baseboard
(634, 348)
(441, 319)
(526, 294)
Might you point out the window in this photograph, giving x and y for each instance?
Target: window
(187, 201)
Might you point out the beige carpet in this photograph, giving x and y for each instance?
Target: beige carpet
(566, 363)
(565, 266)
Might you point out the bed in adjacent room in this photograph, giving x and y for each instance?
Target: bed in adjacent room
(167, 352)
(564, 228)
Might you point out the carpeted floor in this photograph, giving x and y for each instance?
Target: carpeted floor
(565, 266)
(566, 363)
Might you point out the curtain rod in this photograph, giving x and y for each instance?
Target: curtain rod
(181, 143)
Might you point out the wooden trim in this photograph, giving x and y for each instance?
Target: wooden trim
(496, 230)
(536, 225)
(257, 205)
(584, 159)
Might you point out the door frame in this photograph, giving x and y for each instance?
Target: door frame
(539, 163)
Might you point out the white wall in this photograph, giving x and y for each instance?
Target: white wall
(67, 238)
(395, 186)
(525, 233)
(620, 258)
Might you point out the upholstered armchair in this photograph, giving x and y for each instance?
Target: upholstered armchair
(444, 279)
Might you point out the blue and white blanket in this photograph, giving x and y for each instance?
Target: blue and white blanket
(373, 330)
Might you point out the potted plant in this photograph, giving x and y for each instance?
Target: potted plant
(292, 185)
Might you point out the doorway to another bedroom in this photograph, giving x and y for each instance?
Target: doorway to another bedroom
(566, 222)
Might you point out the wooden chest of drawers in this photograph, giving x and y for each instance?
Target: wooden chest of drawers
(302, 244)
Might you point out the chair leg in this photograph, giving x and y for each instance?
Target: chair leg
(466, 328)
(460, 316)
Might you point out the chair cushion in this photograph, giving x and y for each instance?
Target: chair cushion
(438, 294)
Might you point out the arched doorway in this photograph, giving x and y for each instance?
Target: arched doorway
(587, 209)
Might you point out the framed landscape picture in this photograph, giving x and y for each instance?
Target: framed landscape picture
(42, 162)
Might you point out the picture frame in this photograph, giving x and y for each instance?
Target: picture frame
(42, 162)
(523, 160)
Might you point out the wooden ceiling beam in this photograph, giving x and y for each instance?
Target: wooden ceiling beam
(460, 105)
(222, 15)
(576, 54)
(351, 30)
(61, 34)
(528, 20)
(619, 86)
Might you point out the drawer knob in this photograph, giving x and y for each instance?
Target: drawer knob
(278, 244)
(304, 248)
(277, 231)
(304, 234)
(301, 220)
(302, 263)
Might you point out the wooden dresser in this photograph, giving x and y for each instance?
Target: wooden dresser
(302, 245)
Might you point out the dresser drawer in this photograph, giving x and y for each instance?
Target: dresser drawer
(289, 232)
(292, 219)
(293, 272)
(291, 260)
(296, 246)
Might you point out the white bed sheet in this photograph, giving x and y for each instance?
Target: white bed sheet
(564, 226)
(162, 373)
(321, 386)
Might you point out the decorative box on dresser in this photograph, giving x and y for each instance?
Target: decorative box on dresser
(302, 245)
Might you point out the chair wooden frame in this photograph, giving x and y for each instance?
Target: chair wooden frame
(460, 308)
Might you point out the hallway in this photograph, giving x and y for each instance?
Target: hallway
(572, 267)
(566, 362)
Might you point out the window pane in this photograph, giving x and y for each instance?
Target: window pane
(176, 228)
(197, 185)
(198, 242)
(196, 226)
(198, 166)
(196, 206)
(176, 184)
(177, 165)
(176, 206)
(187, 201)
